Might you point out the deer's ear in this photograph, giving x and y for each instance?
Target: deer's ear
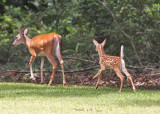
(26, 31)
(95, 42)
(21, 33)
(104, 42)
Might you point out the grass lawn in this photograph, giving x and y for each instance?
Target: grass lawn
(21, 98)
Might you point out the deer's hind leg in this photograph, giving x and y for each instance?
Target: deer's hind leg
(62, 66)
(54, 65)
(119, 74)
(124, 69)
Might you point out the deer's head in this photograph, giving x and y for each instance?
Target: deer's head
(20, 38)
(99, 46)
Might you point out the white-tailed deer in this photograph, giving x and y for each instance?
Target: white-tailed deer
(42, 45)
(111, 62)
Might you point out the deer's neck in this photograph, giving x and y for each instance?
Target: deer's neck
(28, 40)
(101, 51)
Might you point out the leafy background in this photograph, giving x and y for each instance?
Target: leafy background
(132, 23)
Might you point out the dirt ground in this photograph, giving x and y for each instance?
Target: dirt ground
(148, 78)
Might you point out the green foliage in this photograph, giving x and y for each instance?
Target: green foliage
(81, 21)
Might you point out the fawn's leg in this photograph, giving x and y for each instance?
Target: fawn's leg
(128, 75)
(99, 75)
(99, 72)
(118, 72)
(96, 75)
(130, 78)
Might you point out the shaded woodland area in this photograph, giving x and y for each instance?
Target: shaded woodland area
(132, 23)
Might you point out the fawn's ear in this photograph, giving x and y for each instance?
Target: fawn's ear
(104, 42)
(95, 42)
(26, 31)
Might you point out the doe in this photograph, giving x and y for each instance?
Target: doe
(42, 45)
(112, 62)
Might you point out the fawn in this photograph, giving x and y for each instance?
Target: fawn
(112, 62)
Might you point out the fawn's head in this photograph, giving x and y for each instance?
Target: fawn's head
(99, 46)
(20, 38)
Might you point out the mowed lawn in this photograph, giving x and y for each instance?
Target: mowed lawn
(22, 98)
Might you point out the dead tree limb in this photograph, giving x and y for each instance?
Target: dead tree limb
(75, 58)
(50, 71)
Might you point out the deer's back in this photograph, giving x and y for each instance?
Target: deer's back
(110, 61)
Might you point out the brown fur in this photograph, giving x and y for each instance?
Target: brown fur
(42, 45)
(111, 62)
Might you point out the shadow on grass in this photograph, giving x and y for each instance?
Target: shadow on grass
(125, 98)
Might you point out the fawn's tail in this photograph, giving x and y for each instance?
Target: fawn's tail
(121, 53)
(122, 61)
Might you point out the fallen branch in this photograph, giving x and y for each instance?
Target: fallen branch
(72, 71)
(156, 74)
(80, 59)
(141, 67)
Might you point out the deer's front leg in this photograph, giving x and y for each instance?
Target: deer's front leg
(95, 75)
(99, 75)
(42, 63)
(30, 65)
(102, 67)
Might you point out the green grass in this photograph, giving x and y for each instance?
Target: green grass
(24, 98)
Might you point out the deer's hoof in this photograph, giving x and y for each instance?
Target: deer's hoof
(42, 82)
(64, 84)
(33, 78)
(134, 90)
(49, 84)
(119, 91)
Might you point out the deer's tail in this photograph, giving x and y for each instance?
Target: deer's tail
(58, 45)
